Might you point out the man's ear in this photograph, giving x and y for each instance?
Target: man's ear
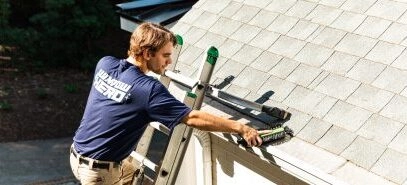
(147, 54)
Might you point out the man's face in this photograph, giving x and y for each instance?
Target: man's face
(161, 59)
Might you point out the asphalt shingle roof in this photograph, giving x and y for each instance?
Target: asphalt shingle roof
(338, 65)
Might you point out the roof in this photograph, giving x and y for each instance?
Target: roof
(339, 66)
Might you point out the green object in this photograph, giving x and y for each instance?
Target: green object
(180, 41)
(192, 95)
(213, 55)
(4, 105)
(273, 131)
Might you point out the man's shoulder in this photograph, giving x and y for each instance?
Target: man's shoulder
(108, 61)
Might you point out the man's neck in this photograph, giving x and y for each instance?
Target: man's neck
(141, 65)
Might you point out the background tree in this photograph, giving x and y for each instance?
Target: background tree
(52, 33)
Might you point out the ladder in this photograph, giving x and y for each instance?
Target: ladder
(181, 134)
(167, 171)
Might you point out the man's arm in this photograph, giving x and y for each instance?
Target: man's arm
(208, 122)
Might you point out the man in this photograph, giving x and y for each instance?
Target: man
(121, 103)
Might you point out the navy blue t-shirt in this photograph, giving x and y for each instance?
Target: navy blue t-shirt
(121, 103)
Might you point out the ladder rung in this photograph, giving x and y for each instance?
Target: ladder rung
(144, 161)
(183, 80)
(160, 127)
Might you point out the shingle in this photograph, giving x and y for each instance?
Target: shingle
(313, 155)
(380, 129)
(247, 54)
(336, 140)
(263, 18)
(302, 30)
(387, 9)
(215, 6)
(400, 62)
(180, 28)
(301, 9)
(191, 16)
(225, 26)
(322, 108)
(287, 46)
(392, 165)
(385, 52)
(395, 33)
(229, 68)
(284, 68)
(251, 79)
(185, 69)
(297, 121)
(303, 99)
(280, 88)
(190, 54)
(363, 152)
(359, 176)
(399, 142)
(264, 39)
(194, 34)
(303, 75)
(404, 92)
(210, 39)
(329, 37)
(356, 45)
(340, 63)
(313, 55)
(348, 21)
(245, 33)
(396, 109)
(358, 6)
(332, 3)
(231, 9)
(237, 91)
(314, 130)
(403, 19)
(391, 79)
(324, 15)
(282, 24)
(347, 116)
(266, 61)
(229, 48)
(318, 79)
(370, 98)
(365, 71)
(337, 86)
(205, 20)
(373, 27)
(257, 3)
(245, 13)
(280, 6)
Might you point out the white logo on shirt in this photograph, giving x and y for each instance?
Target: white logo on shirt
(110, 87)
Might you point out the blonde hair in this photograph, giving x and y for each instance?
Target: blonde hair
(151, 37)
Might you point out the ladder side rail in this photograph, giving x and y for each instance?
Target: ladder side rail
(182, 133)
(165, 80)
(144, 143)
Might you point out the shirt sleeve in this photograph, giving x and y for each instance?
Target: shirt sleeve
(163, 107)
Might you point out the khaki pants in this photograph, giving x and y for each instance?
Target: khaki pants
(114, 175)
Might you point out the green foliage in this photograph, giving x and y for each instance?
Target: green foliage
(63, 33)
(71, 88)
(68, 30)
(4, 13)
(41, 93)
(4, 105)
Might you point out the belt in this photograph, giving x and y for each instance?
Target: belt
(95, 164)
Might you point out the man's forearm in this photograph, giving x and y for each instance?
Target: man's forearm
(205, 121)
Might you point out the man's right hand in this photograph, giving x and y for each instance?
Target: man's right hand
(251, 136)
